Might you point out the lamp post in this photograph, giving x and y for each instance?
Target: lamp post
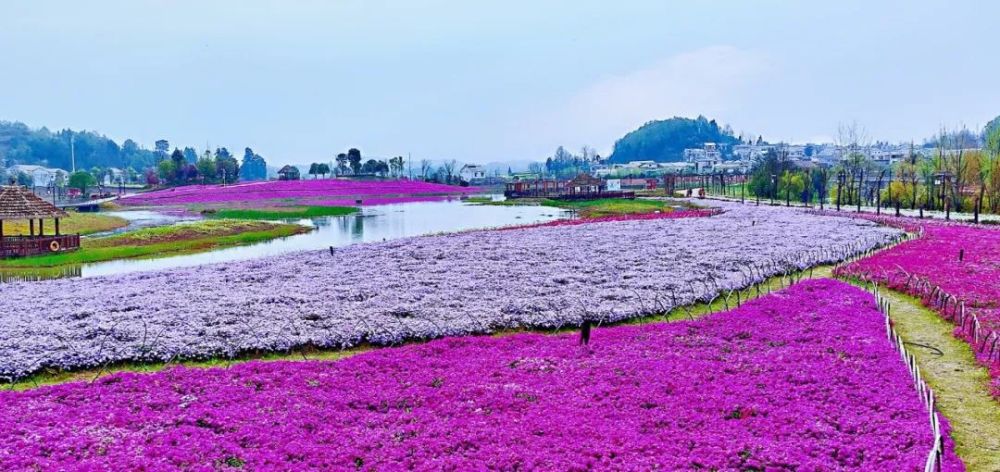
(942, 180)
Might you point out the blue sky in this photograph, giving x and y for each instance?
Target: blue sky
(486, 81)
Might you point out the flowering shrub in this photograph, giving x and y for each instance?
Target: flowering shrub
(302, 192)
(803, 379)
(415, 288)
(933, 261)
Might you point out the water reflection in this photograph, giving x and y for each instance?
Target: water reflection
(142, 219)
(376, 223)
(45, 273)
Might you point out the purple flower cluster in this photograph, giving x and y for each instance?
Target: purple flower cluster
(416, 288)
(949, 266)
(302, 192)
(803, 379)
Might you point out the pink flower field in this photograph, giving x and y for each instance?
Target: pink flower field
(803, 379)
(299, 192)
(950, 265)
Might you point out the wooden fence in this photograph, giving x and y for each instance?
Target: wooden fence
(20, 246)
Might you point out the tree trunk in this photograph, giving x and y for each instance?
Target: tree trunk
(979, 202)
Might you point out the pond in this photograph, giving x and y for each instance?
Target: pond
(374, 223)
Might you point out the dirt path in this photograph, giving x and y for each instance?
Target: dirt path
(959, 382)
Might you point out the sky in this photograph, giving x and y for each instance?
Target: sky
(482, 81)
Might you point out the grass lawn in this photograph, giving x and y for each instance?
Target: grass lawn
(477, 200)
(609, 206)
(76, 222)
(590, 208)
(280, 213)
(162, 241)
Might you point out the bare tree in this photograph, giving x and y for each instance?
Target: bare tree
(909, 175)
(449, 169)
(425, 168)
(854, 145)
(957, 162)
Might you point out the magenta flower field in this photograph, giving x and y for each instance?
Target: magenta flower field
(416, 288)
(803, 379)
(300, 192)
(933, 260)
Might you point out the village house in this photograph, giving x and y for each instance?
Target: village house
(288, 173)
(584, 184)
(114, 176)
(474, 174)
(40, 176)
(533, 188)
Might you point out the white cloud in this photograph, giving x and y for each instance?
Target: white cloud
(712, 81)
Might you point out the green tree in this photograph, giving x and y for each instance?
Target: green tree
(323, 169)
(206, 167)
(190, 155)
(342, 164)
(313, 169)
(227, 169)
(253, 167)
(82, 180)
(791, 185)
(354, 157)
(166, 170)
(179, 161)
(370, 167)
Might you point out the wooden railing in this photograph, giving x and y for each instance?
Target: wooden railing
(19, 246)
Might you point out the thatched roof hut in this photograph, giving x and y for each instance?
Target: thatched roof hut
(19, 203)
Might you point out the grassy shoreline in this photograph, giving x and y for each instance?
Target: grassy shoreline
(162, 241)
(596, 208)
(280, 213)
(76, 222)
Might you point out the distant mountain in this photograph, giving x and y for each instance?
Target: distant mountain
(666, 140)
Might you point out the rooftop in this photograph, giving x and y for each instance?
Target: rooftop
(18, 203)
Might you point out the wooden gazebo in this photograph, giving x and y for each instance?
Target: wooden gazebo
(18, 203)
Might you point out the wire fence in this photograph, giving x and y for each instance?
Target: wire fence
(935, 455)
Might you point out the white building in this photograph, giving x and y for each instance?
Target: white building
(114, 176)
(751, 152)
(40, 176)
(642, 165)
(473, 173)
(694, 154)
(708, 152)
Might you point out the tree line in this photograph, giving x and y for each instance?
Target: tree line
(352, 164)
(955, 175)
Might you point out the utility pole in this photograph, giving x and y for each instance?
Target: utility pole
(72, 153)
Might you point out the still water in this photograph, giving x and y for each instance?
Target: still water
(375, 223)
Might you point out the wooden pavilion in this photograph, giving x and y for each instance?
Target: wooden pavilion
(18, 203)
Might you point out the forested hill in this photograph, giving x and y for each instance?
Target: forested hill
(20, 144)
(665, 140)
